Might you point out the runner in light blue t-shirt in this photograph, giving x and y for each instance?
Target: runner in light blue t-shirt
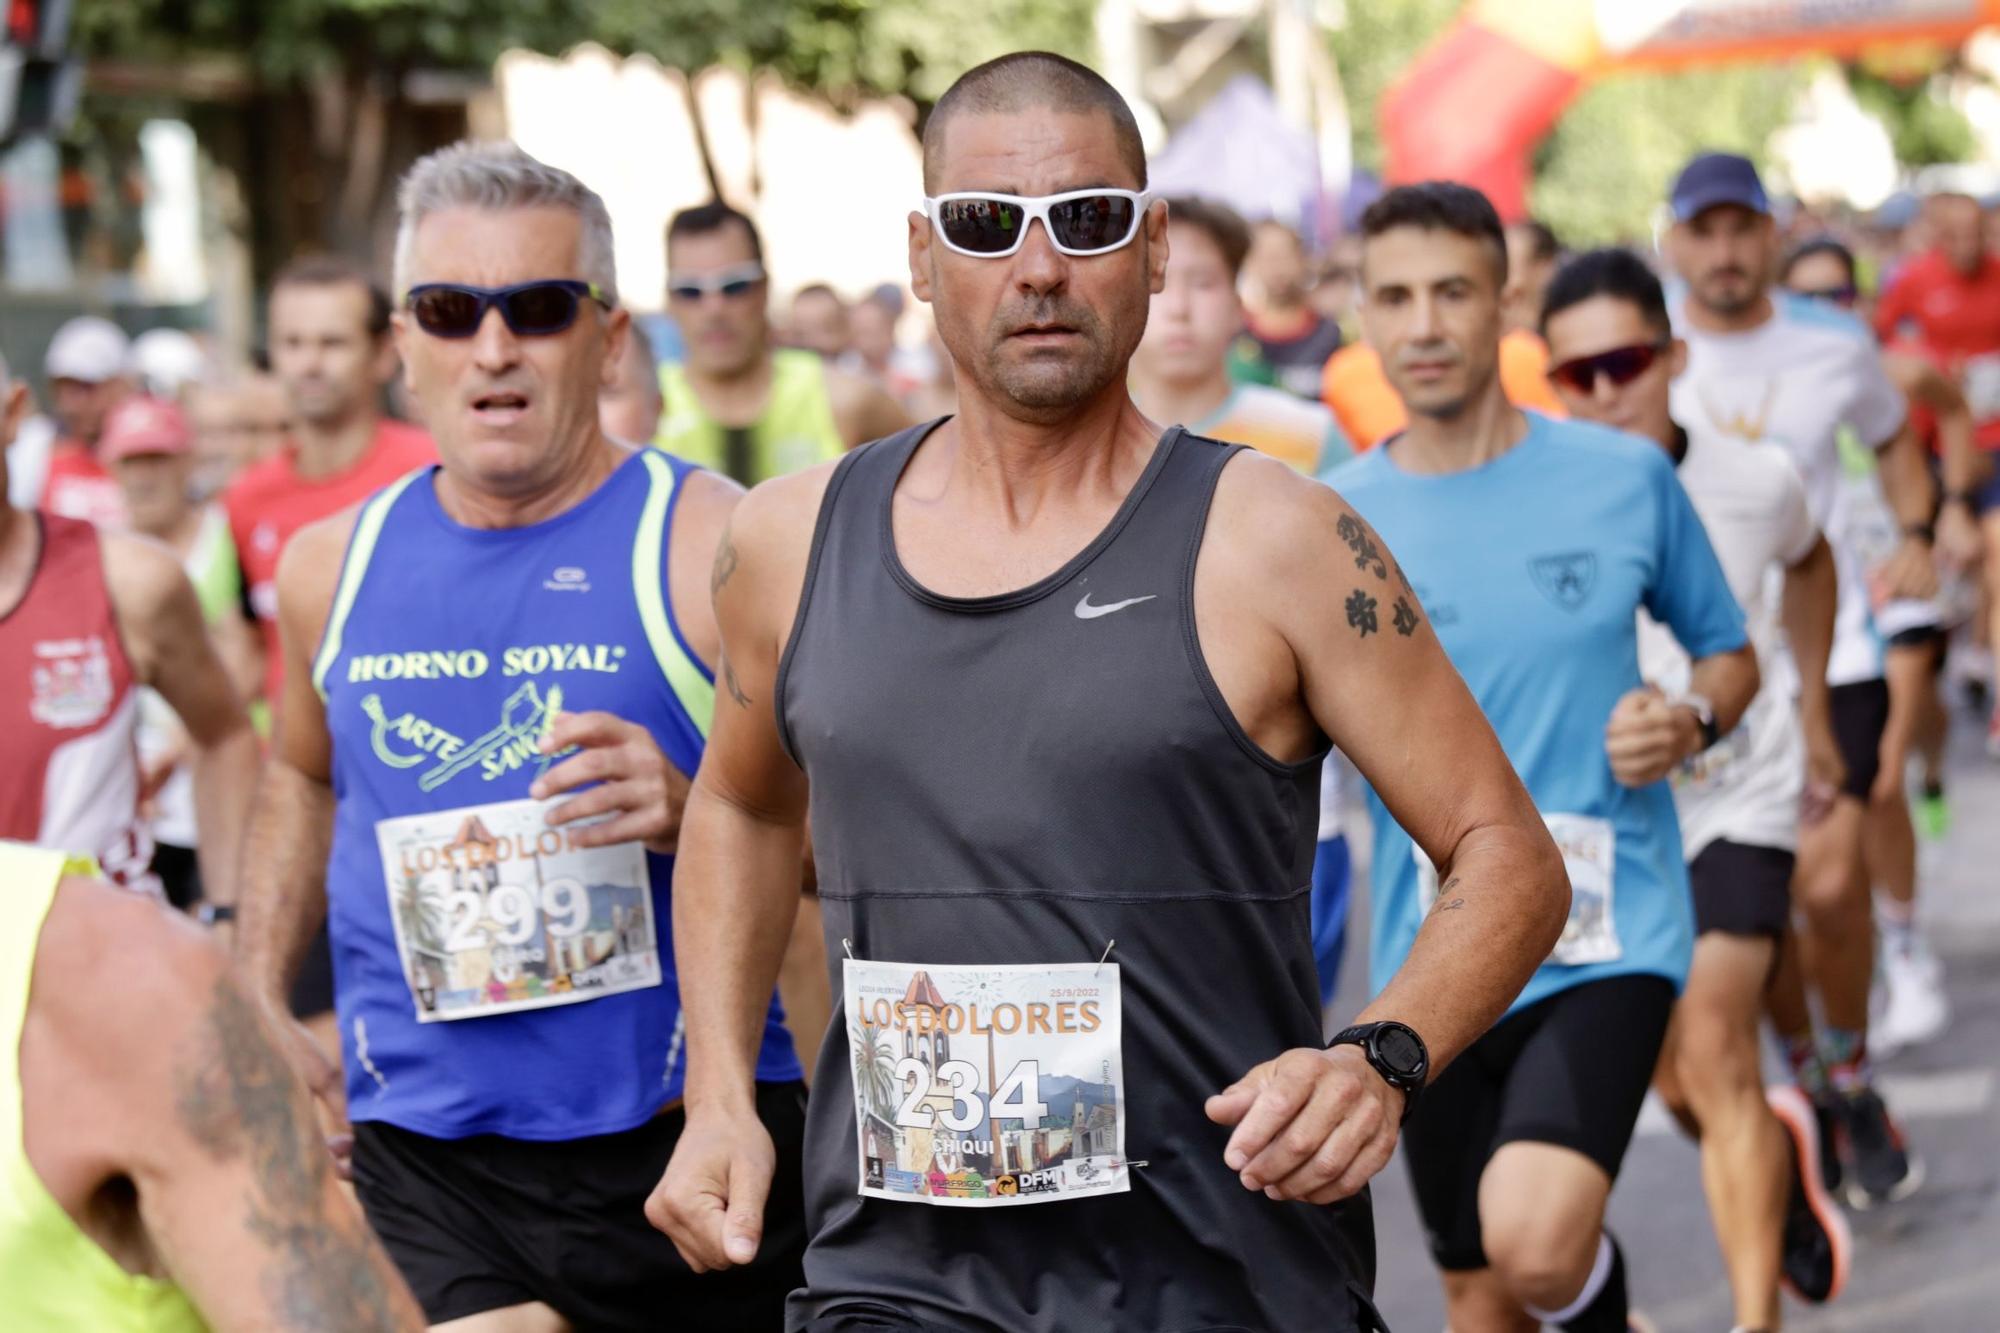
(1532, 544)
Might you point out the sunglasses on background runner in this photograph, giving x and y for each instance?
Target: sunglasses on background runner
(1621, 364)
(1079, 223)
(1841, 296)
(530, 309)
(728, 283)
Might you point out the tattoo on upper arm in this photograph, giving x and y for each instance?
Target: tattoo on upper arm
(725, 564)
(1361, 613)
(237, 1100)
(1406, 617)
(734, 686)
(1367, 554)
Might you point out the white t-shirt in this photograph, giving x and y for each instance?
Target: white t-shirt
(1753, 504)
(1795, 380)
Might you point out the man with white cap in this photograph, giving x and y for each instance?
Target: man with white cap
(88, 365)
(149, 449)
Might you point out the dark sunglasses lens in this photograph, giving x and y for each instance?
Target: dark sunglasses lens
(737, 287)
(1094, 222)
(1621, 364)
(685, 293)
(983, 226)
(445, 312)
(1831, 295)
(542, 308)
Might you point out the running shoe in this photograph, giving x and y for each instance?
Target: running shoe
(1882, 1169)
(1915, 1010)
(1817, 1246)
(1933, 815)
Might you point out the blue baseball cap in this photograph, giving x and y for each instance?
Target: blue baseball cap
(1714, 179)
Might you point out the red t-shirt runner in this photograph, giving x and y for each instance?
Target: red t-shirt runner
(1956, 318)
(270, 501)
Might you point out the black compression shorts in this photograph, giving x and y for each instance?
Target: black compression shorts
(485, 1222)
(1741, 890)
(1571, 1070)
(1860, 715)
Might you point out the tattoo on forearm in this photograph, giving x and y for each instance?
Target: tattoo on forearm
(1444, 904)
(1361, 613)
(734, 687)
(1367, 555)
(237, 1100)
(725, 565)
(1406, 617)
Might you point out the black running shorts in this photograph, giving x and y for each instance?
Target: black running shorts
(312, 989)
(1741, 890)
(486, 1222)
(1860, 715)
(1571, 1070)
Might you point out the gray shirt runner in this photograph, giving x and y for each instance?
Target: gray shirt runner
(1025, 778)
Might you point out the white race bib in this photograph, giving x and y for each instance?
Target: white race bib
(1589, 847)
(1980, 377)
(986, 1087)
(495, 911)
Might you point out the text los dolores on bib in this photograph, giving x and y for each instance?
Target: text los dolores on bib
(986, 1086)
(494, 911)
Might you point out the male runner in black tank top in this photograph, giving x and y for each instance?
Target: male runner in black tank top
(1046, 741)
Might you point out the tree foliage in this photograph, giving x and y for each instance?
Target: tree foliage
(1372, 48)
(841, 48)
(1601, 175)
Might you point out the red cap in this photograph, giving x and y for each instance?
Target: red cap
(143, 426)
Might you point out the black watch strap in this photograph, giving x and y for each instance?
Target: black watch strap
(214, 914)
(1393, 1050)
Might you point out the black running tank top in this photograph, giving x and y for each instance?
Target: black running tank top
(1025, 778)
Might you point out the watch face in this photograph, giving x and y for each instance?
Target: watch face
(1399, 1050)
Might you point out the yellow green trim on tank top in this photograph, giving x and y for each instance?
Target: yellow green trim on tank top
(360, 550)
(695, 691)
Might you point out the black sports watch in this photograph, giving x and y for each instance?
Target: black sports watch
(1395, 1051)
(214, 914)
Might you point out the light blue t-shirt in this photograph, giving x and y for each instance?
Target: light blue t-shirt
(1531, 568)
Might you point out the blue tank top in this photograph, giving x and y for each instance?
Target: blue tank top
(489, 977)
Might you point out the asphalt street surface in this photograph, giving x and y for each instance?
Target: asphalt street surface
(1930, 1264)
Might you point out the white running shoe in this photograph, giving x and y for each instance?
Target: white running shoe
(1916, 1010)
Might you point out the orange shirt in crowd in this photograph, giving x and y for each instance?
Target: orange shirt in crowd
(269, 501)
(1370, 411)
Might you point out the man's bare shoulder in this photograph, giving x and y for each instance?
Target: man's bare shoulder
(116, 972)
(777, 517)
(140, 571)
(707, 499)
(313, 557)
(1278, 516)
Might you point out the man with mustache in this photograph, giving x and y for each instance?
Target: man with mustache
(1059, 682)
(1534, 543)
(497, 678)
(1763, 363)
(739, 403)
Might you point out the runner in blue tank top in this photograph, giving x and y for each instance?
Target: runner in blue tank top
(502, 686)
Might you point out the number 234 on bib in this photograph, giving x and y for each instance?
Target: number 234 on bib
(982, 1087)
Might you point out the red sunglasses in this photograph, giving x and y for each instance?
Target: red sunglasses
(1622, 364)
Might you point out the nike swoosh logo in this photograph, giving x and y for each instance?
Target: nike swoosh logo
(1085, 611)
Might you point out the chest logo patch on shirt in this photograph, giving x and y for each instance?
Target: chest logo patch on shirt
(1565, 578)
(71, 683)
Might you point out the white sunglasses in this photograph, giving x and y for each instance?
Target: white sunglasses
(730, 282)
(1078, 223)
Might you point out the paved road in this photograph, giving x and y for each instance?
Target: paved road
(1928, 1265)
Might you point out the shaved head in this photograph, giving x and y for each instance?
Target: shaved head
(1032, 79)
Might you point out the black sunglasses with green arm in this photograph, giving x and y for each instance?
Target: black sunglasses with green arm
(530, 309)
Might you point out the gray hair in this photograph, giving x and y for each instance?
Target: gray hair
(499, 176)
